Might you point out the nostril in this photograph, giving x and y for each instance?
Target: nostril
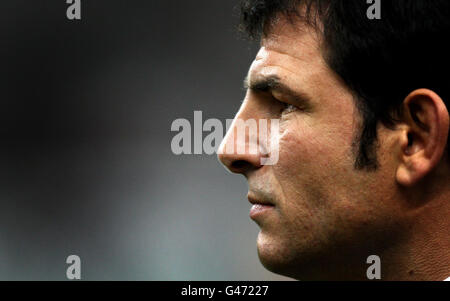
(239, 165)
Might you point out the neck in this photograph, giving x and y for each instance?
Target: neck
(424, 253)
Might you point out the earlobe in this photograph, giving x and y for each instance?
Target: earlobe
(423, 137)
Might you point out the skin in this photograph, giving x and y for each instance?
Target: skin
(326, 217)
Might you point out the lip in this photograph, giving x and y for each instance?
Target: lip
(259, 209)
(260, 206)
(258, 201)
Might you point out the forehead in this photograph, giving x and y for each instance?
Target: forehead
(289, 47)
(293, 53)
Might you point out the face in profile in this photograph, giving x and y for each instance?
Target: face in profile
(315, 210)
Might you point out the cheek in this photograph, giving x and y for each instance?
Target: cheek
(306, 148)
(315, 165)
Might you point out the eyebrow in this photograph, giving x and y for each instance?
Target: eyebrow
(273, 83)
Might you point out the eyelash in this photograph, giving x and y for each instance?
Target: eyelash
(288, 108)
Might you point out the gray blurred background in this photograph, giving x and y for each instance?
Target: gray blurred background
(86, 166)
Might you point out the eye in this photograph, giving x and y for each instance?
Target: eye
(288, 108)
(285, 106)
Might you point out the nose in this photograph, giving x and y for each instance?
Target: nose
(239, 163)
(240, 151)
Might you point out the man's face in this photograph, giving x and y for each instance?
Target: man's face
(321, 208)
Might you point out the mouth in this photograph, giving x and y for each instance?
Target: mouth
(260, 206)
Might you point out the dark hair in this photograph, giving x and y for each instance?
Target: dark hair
(381, 60)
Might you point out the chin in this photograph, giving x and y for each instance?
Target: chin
(275, 255)
(281, 257)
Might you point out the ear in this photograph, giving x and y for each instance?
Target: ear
(424, 136)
